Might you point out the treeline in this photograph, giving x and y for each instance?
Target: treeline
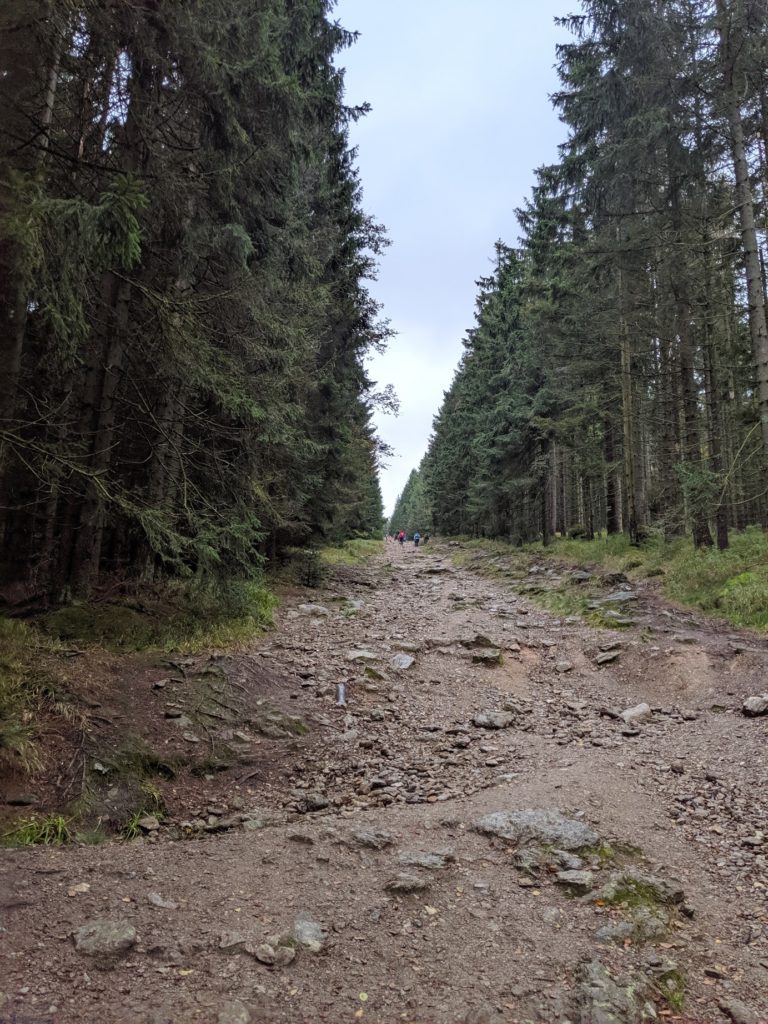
(183, 315)
(616, 377)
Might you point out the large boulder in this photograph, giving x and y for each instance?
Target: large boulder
(547, 827)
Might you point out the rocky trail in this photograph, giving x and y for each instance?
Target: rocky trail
(503, 816)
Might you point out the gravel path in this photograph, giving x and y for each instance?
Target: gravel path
(382, 873)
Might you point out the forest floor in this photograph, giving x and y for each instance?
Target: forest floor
(368, 862)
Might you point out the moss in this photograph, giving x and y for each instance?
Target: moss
(182, 617)
(671, 985)
(108, 624)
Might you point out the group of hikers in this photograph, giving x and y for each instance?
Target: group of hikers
(402, 537)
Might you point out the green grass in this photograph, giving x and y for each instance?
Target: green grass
(52, 830)
(181, 617)
(351, 552)
(27, 689)
(731, 584)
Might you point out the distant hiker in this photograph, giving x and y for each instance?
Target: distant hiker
(416, 539)
(401, 537)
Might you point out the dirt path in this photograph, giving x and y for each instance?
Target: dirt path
(645, 893)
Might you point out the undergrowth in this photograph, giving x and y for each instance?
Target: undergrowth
(179, 617)
(731, 584)
(27, 689)
(53, 830)
(351, 552)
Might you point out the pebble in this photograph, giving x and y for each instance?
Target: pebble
(156, 900)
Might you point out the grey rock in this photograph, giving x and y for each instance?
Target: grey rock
(318, 610)
(431, 861)
(405, 884)
(625, 885)
(493, 720)
(567, 861)
(547, 826)
(372, 839)
(234, 1012)
(644, 924)
(362, 656)
(619, 597)
(232, 942)
(480, 1015)
(564, 666)
(21, 800)
(602, 1000)
(611, 645)
(103, 937)
(401, 662)
(579, 882)
(755, 706)
(308, 932)
(156, 900)
(739, 1012)
(487, 656)
(312, 802)
(478, 642)
(274, 956)
(606, 657)
(149, 823)
(618, 933)
(639, 713)
(224, 824)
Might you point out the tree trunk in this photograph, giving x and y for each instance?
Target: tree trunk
(729, 49)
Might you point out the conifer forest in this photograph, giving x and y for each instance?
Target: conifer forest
(616, 376)
(183, 307)
(261, 761)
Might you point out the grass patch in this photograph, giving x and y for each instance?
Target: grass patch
(730, 584)
(27, 690)
(180, 617)
(351, 552)
(135, 760)
(52, 830)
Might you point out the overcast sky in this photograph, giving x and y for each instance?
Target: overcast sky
(460, 119)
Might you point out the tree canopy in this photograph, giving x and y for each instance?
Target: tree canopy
(616, 376)
(183, 308)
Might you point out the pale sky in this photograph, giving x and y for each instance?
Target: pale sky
(460, 120)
